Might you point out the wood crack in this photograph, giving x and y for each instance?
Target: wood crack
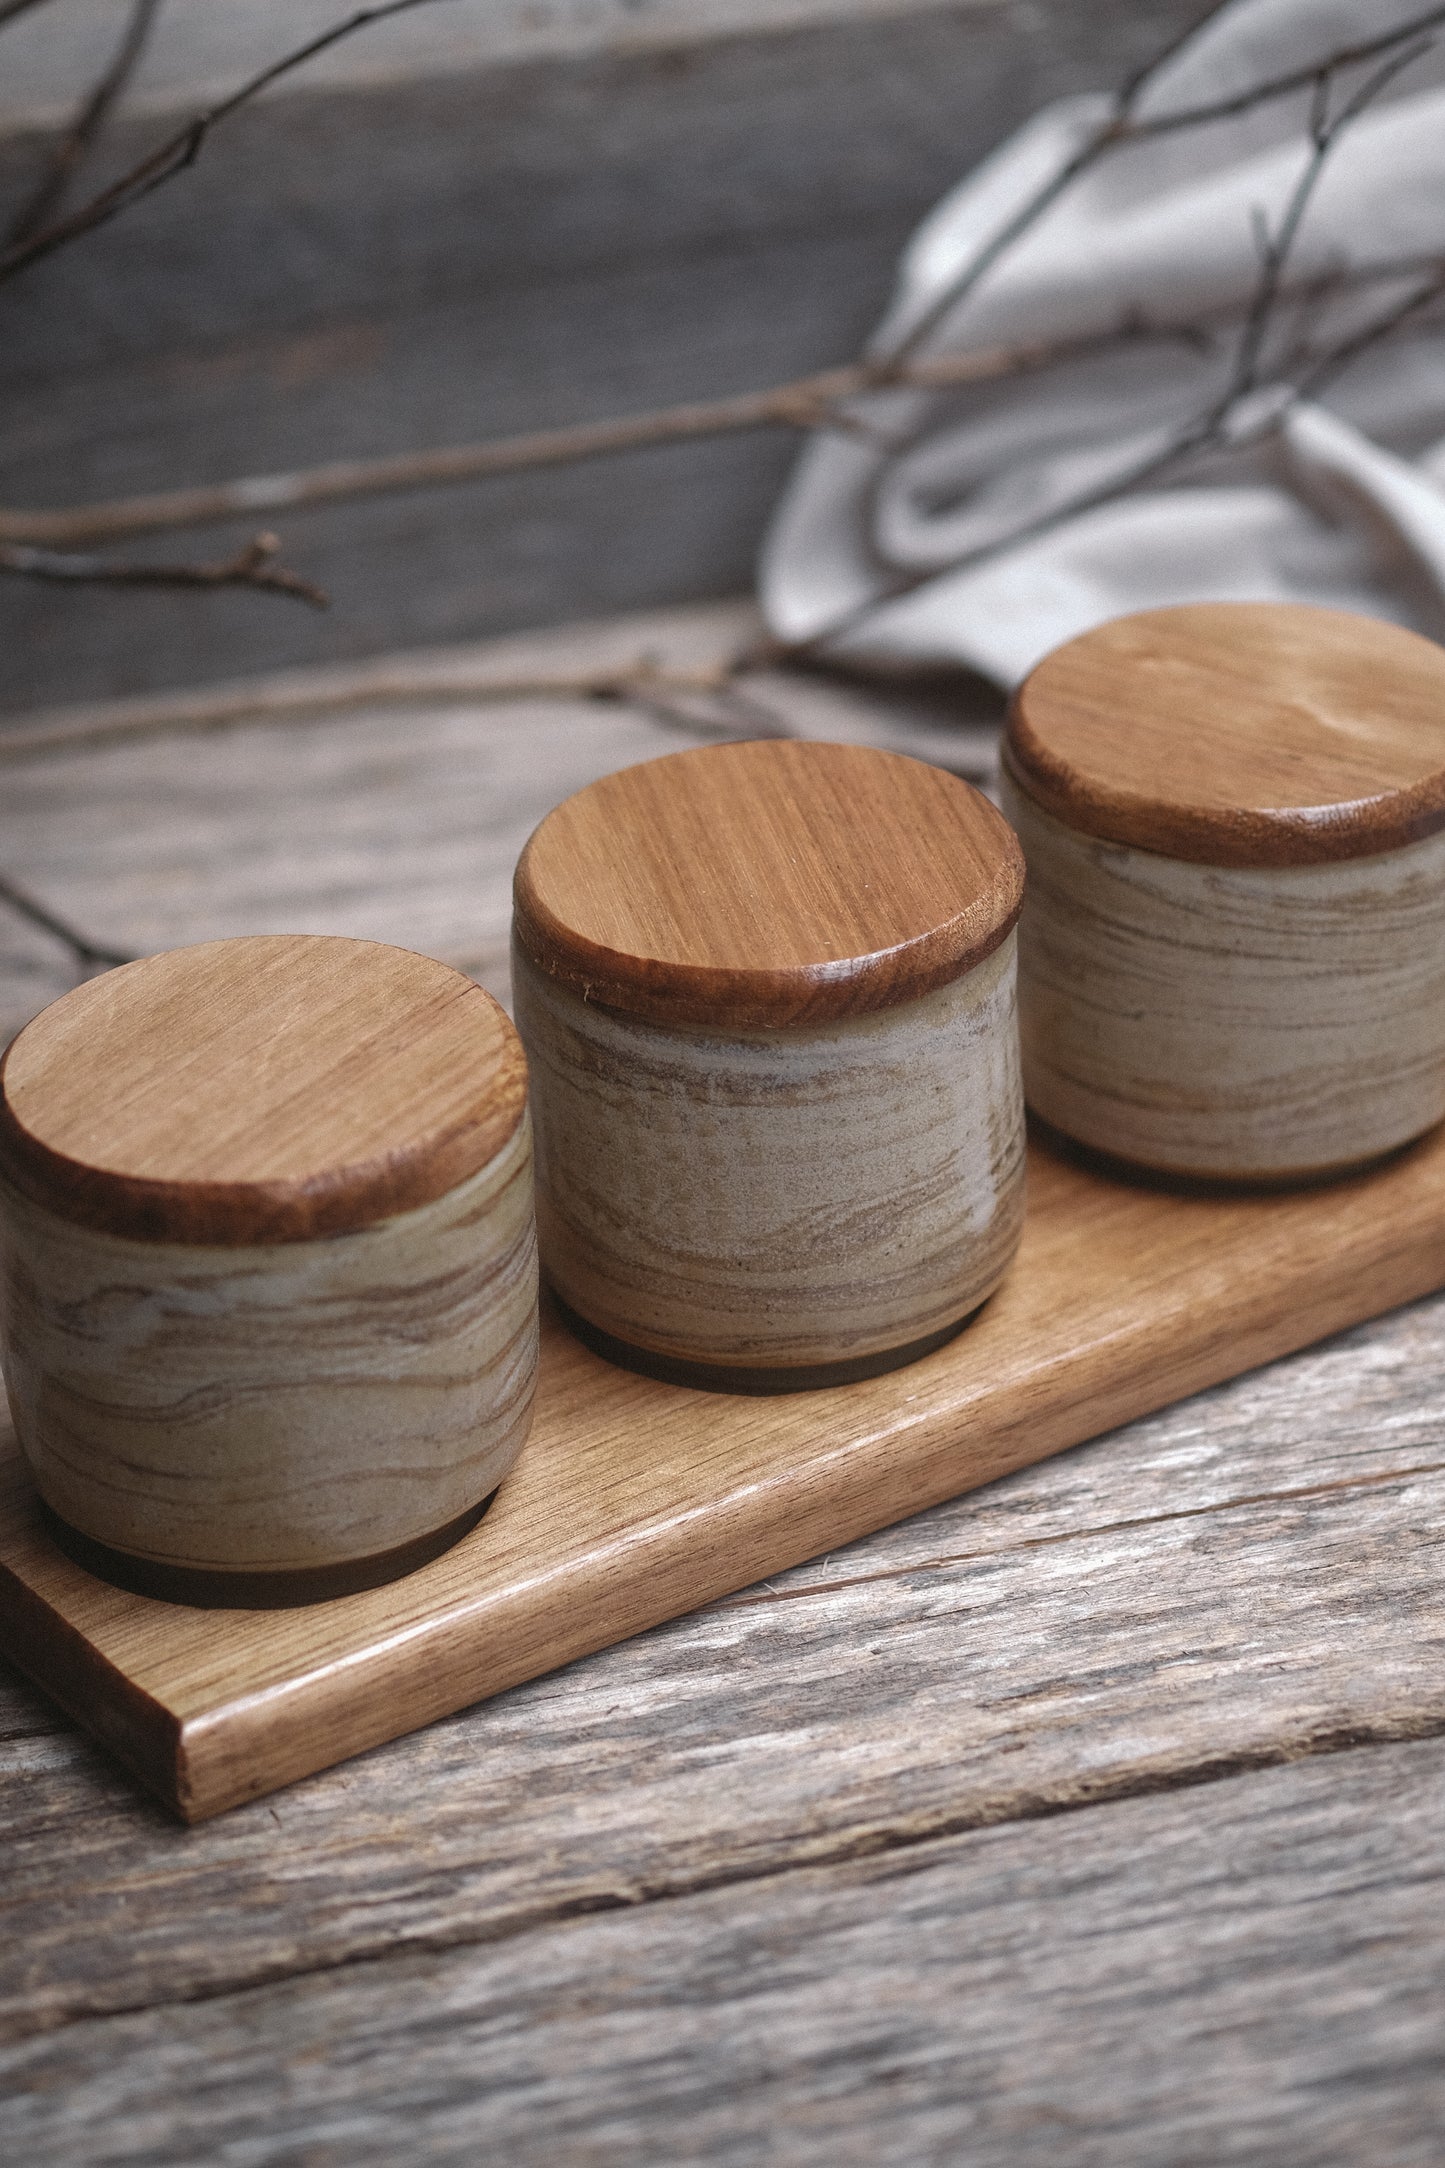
(767, 1593)
(833, 1851)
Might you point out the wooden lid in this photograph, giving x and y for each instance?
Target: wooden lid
(1238, 734)
(263, 1090)
(768, 884)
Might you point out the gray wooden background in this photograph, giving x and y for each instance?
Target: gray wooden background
(668, 201)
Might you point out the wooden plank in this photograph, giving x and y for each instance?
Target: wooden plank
(1251, 1575)
(382, 824)
(203, 54)
(1250, 1972)
(634, 1501)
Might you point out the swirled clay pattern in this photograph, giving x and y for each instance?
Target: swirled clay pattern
(777, 1198)
(1248, 1022)
(276, 1407)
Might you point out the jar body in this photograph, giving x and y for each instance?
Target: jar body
(276, 1410)
(777, 1201)
(1264, 1023)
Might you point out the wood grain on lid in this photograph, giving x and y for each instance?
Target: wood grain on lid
(768, 884)
(269, 1089)
(1238, 734)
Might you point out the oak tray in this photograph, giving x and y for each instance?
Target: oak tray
(634, 1501)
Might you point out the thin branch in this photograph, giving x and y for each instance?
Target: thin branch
(184, 147)
(1277, 248)
(821, 400)
(1305, 77)
(85, 951)
(1155, 65)
(1333, 363)
(250, 567)
(1122, 126)
(1114, 130)
(1215, 427)
(319, 696)
(962, 284)
(655, 707)
(95, 109)
(807, 402)
(659, 696)
(811, 402)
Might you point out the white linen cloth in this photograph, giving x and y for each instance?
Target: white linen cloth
(1341, 502)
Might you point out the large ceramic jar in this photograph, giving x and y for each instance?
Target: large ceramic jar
(269, 1265)
(1232, 957)
(767, 996)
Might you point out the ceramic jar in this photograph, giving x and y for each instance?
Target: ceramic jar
(767, 996)
(1233, 949)
(269, 1271)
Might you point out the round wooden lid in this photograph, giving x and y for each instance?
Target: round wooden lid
(263, 1090)
(761, 885)
(1238, 734)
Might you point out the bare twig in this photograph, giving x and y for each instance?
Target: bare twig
(250, 567)
(811, 402)
(1147, 70)
(1123, 126)
(1305, 77)
(184, 147)
(1339, 358)
(1115, 129)
(807, 402)
(1276, 248)
(85, 951)
(318, 696)
(91, 117)
(1219, 424)
(821, 400)
(729, 712)
(656, 707)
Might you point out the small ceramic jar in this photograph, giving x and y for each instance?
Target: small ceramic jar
(767, 996)
(269, 1265)
(1233, 952)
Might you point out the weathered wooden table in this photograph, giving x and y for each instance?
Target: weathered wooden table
(1096, 1818)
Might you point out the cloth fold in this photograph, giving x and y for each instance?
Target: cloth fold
(983, 525)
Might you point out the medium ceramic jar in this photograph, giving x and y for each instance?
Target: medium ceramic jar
(269, 1265)
(767, 996)
(1233, 952)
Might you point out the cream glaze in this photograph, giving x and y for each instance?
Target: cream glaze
(278, 1407)
(777, 1198)
(1251, 1023)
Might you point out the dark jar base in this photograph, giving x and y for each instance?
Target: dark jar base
(755, 1379)
(221, 1589)
(1183, 1182)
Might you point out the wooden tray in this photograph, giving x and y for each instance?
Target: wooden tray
(635, 1501)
